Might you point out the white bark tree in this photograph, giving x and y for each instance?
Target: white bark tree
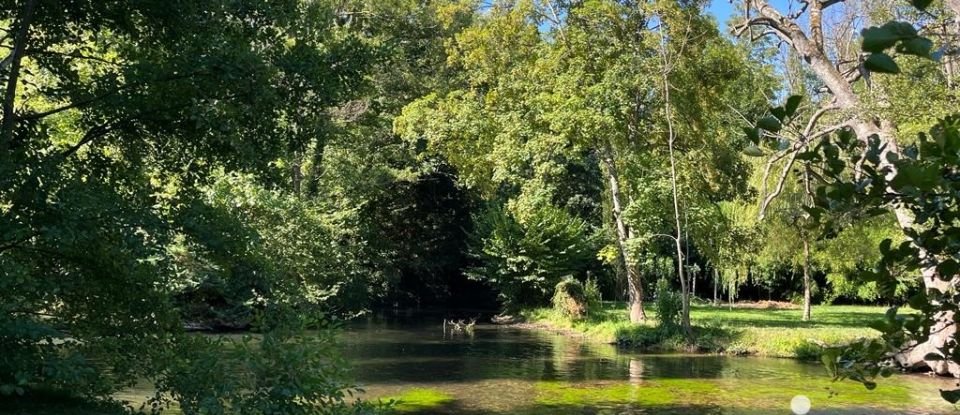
(845, 104)
(634, 280)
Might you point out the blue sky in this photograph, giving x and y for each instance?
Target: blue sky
(722, 9)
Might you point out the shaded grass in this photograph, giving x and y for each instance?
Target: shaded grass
(746, 331)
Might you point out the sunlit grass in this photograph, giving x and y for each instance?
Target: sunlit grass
(754, 331)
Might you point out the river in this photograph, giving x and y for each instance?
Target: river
(504, 370)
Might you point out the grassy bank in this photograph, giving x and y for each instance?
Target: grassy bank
(740, 330)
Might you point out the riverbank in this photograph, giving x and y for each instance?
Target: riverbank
(741, 330)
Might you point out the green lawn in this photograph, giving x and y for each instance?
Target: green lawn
(764, 332)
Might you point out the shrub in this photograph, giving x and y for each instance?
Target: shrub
(591, 289)
(668, 305)
(570, 299)
(524, 260)
(293, 367)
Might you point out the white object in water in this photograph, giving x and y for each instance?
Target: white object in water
(800, 405)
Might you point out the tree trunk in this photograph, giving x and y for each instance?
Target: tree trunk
(9, 123)
(944, 329)
(732, 290)
(684, 290)
(716, 282)
(846, 100)
(296, 176)
(634, 279)
(671, 138)
(693, 280)
(806, 280)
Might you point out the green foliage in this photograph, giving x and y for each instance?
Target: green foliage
(925, 186)
(920, 180)
(114, 131)
(668, 306)
(525, 261)
(285, 370)
(593, 294)
(570, 299)
(902, 35)
(247, 244)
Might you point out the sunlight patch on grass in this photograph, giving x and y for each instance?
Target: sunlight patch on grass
(743, 331)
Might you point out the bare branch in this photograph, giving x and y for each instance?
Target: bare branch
(781, 182)
(92, 134)
(816, 118)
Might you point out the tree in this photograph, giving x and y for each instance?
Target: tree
(535, 103)
(116, 117)
(838, 79)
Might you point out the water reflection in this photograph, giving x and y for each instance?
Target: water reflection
(504, 370)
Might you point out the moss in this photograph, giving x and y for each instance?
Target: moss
(566, 394)
(419, 399)
(769, 394)
(823, 394)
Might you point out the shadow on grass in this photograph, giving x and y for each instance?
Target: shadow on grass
(716, 339)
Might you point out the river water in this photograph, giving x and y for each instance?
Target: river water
(425, 369)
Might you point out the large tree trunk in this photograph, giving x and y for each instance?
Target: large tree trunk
(944, 329)
(846, 100)
(806, 280)
(634, 279)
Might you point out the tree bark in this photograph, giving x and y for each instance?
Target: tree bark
(693, 280)
(806, 280)
(634, 279)
(716, 282)
(296, 175)
(671, 137)
(732, 289)
(955, 6)
(846, 100)
(9, 122)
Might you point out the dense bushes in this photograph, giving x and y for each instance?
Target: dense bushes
(287, 370)
(525, 260)
(245, 244)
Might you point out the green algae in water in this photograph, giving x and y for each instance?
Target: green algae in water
(823, 394)
(419, 399)
(567, 394)
(763, 395)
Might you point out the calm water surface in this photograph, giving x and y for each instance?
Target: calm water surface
(503, 370)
